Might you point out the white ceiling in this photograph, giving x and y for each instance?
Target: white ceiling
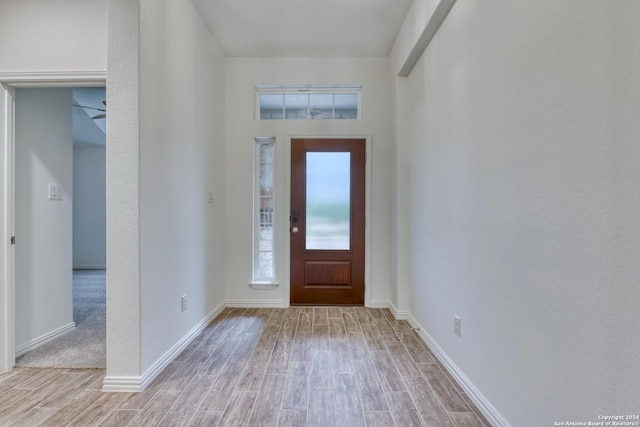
(312, 28)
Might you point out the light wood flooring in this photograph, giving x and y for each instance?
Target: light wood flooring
(301, 366)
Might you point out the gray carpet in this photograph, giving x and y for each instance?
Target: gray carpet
(85, 346)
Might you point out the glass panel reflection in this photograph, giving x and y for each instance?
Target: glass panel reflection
(271, 106)
(346, 106)
(321, 105)
(328, 200)
(296, 106)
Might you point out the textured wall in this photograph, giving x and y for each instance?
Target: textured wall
(41, 35)
(123, 211)
(181, 160)
(520, 124)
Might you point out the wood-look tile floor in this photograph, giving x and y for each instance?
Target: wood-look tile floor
(301, 366)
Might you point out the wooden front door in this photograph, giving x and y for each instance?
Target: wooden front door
(327, 221)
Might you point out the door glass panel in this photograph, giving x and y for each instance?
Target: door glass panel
(328, 200)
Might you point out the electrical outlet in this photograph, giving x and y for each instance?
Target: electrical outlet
(183, 302)
(456, 325)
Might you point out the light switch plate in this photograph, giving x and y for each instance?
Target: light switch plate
(457, 325)
(55, 192)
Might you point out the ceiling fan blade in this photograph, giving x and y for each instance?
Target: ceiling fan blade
(99, 116)
(90, 108)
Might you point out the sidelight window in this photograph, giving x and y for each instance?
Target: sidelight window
(264, 202)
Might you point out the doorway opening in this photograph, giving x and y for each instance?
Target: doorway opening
(60, 227)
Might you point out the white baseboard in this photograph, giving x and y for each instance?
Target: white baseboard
(488, 410)
(133, 384)
(122, 384)
(41, 340)
(398, 314)
(256, 304)
(379, 304)
(90, 267)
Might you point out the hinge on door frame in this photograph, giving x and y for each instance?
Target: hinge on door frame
(13, 240)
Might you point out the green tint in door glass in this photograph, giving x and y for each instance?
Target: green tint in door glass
(328, 200)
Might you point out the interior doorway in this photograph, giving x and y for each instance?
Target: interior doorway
(327, 221)
(60, 225)
(8, 85)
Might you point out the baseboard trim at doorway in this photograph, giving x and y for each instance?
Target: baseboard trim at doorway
(43, 339)
(379, 304)
(136, 384)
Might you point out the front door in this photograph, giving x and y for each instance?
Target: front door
(327, 222)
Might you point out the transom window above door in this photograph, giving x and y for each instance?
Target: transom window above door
(308, 102)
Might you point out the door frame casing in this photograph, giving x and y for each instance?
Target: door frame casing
(284, 219)
(8, 83)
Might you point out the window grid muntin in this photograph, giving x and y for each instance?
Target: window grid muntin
(307, 91)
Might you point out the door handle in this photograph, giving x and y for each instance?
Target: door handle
(295, 215)
(295, 230)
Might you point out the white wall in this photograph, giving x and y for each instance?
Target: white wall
(43, 227)
(414, 24)
(181, 158)
(89, 206)
(45, 36)
(242, 75)
(521, 124)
